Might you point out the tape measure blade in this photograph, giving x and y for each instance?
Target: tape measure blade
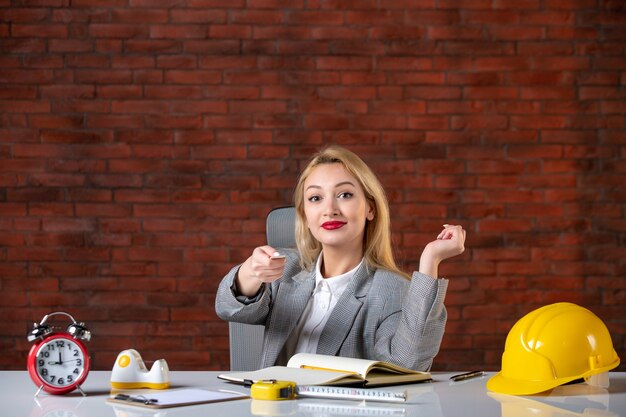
(317, 391)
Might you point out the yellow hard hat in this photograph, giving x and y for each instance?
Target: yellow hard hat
(551, 346)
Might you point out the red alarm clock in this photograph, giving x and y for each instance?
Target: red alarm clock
(58, 362)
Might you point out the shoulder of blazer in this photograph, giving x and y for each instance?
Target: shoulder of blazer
(383, 278)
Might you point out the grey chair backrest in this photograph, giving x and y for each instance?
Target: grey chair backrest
(246, 340)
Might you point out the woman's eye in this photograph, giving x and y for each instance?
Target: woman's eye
(345, 195)
(314, 199)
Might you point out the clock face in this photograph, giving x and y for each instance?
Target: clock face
(61, 362)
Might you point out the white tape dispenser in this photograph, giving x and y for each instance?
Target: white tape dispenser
(130, 372)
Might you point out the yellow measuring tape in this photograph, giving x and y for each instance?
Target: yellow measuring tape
(272, 389)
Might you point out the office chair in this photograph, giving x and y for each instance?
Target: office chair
(246, 340)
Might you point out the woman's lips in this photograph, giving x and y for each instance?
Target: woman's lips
(332, 225)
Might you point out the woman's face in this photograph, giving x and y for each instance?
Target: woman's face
(335, 207)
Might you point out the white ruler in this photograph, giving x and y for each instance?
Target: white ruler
(345, 393)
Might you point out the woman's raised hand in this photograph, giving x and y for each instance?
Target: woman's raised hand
(450, 242)
(264, 265)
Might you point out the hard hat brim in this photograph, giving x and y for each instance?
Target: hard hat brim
(503, 385)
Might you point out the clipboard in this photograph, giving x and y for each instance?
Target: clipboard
(176, 398)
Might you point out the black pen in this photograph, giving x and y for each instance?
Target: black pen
(467, 375)
(137, 399)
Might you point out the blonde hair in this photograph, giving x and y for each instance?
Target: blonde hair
(377, 249)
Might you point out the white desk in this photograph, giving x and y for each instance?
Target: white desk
(437, 399)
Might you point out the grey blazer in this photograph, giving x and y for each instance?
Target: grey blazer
(380, 315)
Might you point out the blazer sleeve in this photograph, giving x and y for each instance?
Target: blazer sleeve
(411, 335)
(231, 306)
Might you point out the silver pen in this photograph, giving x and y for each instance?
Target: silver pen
(467, 375)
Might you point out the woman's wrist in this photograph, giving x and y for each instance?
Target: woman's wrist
(246, 283)
(429, 264)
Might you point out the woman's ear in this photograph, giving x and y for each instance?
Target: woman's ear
(371, 212)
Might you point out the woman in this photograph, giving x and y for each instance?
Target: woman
(341, 292)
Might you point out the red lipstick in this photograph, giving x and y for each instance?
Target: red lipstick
(333, 225)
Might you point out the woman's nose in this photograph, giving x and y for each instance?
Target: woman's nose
(331, 207)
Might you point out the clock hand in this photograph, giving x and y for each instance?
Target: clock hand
(59, 362)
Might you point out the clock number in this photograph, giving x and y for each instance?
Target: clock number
(75, 352)
(69, 379)
(60, 343)
(50, 346)
(79, 362)
(41, 362)
(44, 372)
(76, 371)
(60, 381)
(52, 378)
(45, 354)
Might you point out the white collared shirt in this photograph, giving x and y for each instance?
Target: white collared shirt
(306, 336)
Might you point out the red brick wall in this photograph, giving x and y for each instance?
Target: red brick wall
(142, 142)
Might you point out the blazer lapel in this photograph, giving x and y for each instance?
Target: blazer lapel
(291, 300)
(342, 318)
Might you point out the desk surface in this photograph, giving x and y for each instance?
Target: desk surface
(441, 398)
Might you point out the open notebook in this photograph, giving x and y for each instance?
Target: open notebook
(314, 369)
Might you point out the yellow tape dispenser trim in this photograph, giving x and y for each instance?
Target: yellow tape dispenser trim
(273, 390)
(136, 385)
